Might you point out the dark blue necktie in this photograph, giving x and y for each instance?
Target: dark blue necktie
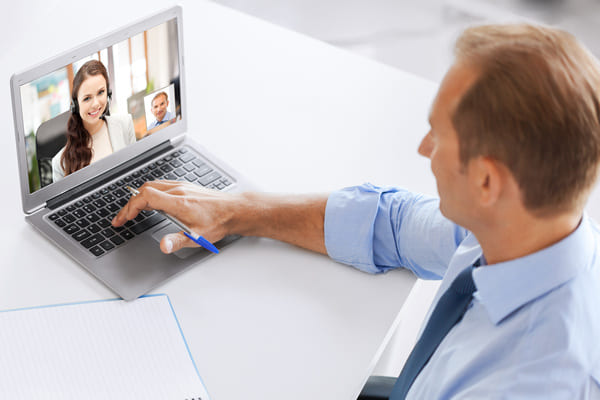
(448, 312)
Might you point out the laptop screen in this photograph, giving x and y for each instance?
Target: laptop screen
(100, 104)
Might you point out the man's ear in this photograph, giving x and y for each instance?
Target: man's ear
(486, 180)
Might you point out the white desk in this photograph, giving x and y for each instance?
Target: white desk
(264, 320)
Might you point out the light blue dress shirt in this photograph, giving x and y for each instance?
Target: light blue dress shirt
(532, 330)
(168, 116)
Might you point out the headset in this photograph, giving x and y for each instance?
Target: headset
(75, 105)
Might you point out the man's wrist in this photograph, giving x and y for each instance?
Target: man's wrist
(245, 215)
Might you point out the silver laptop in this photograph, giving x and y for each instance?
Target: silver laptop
(127, 90)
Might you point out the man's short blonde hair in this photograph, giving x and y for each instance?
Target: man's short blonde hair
(158, 95)
(534, 107)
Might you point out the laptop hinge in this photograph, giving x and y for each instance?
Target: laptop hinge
(100, 180)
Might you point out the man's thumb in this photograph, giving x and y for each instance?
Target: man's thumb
(175, 241)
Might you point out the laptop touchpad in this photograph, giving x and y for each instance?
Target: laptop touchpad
(172, 228)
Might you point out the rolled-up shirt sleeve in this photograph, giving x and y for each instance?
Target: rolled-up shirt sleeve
(376, 229)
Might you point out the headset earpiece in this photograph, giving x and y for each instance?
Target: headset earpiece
(108, 99)
(74, 107)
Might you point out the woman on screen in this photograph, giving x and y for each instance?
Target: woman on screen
(92, 133)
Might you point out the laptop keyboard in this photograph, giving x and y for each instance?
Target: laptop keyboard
(88, 220)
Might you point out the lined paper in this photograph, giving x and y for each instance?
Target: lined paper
(97, 350)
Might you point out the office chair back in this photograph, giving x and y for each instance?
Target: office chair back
(50, 137)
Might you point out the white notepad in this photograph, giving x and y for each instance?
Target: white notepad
(108, 349)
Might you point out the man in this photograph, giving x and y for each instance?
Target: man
(515, 148)
(159, 105)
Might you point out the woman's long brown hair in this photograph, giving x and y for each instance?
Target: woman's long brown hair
(78, 152)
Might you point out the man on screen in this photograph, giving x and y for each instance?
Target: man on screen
(159, 105)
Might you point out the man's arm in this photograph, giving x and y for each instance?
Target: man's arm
(377, 229)
(298, 220)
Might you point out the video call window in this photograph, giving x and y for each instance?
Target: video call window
(100, 104)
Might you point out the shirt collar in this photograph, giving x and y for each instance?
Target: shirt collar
(504, 287)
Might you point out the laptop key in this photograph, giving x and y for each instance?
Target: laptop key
(127, 235)
(82, 223)
(190, 177)
(69, 218)
(106, 245)
(147, 223)
(79, 236)
(92, 217)
(187, 157)
(117, 240)
(89, 208)
(92, 240)
(108, 232)
(60, 223)
(203, 170)
(103, 223)
(79, 213)
(99, 203)
(70, 229)
(176, 164)
(206, 179)
(97, 251)
(171, 176)
(53, 217)
(94, 228)
(103, 212)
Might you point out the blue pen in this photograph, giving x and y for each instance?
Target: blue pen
(186, 231)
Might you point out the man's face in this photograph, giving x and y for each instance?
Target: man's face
(440, 145)
(159, 107)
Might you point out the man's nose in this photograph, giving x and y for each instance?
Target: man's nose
(426, 146)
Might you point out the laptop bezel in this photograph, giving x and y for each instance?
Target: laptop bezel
(38, 199)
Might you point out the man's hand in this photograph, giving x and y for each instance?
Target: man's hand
(205, 211)
(298, 220)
